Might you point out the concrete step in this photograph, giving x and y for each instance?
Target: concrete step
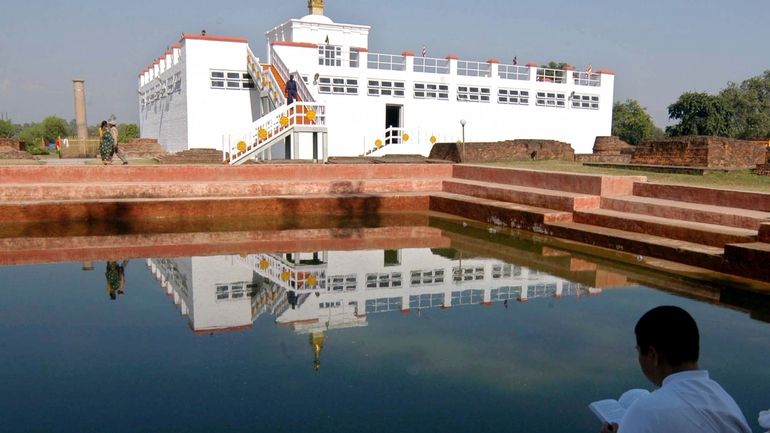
(752, 200)
(674, 209)
(748, 260)
(496, 212)
(641, 244)
(570, 182)
(288, 207)
(144, 190)
(700, 233)
(538, 197)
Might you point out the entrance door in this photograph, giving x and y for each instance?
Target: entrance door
(393, 117)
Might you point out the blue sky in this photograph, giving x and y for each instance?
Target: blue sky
(658, 49)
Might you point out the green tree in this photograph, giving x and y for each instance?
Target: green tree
(554, 65)
(7, 130)
(30, 135)
(127, 132)
(699, 114)
(54, 127)
(749, 103)
(632, 123)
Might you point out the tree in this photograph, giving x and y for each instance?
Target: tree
(749, 103)
(7, 130)
(632, 123)
(127, 132)
(30, 135)
(699, 114)
(554, 65)
(54, 127)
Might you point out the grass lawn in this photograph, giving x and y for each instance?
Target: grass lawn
(740, 179)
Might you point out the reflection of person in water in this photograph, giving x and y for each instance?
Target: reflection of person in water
(116, 278)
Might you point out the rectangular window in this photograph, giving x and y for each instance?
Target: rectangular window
(468, 297)
(426, 300)
(386, 62)
(426, 277)
(513, 72)
(513, 96)
(473, 69)
(431, 66)
(233, 80)
(342, 283)
(431, 91)
(505, 271)
(468, 273)
(383, 304)
(329, 55)
(473, 94)
(551, 99)
(503, 293)
(338, 85)
(383, 280)
(587, 102)
(354, 56)
(385, 88)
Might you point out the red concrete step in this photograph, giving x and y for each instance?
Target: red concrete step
(674, 209)
(752, 200)
(570, 182)
(700, 233)
(146, 190)
(749, 260)
(538, 197)
(351, 205)
(496, 212)
(205, 173)
(641, 244)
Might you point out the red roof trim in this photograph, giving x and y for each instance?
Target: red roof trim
(607, 71)
(294, 44)
(219, 330)
(532, 64)
(215, 38)
(493, 60)
(407, 53)
(360, 49)
(567, 68)
(177, 46)
(452, 57)
(168, 52)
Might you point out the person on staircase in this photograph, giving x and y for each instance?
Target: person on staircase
(291, 90)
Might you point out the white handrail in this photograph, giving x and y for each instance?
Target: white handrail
(264, 81)
(302, 89)
(263, 132)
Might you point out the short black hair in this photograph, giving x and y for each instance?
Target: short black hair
(671, 331)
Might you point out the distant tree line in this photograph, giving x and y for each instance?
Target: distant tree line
(52, 127)
(738, 111)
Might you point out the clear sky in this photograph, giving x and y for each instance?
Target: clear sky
(657, 48)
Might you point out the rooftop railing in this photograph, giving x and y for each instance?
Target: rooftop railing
(513, 72)
(474, 69)
(430, 65)
(386, 62)
(551, 75)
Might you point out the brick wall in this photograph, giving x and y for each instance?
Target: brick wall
(11, 142)
(700, 151)
(503, 150)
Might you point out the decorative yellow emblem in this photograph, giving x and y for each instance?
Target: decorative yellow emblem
(285, 275)
(241, 146)
(405, 137)
(262, 133)
(263, 264)
(433, 139)
(310, 115)
(378, 143)
(284, 121)
(312, 280)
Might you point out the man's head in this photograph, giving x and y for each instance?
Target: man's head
(668, 341)
(291, 77)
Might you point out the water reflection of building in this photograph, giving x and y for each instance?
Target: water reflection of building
(315, 292)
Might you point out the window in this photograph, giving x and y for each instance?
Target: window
(541, 290)
(550, 99)
(431, 66)
(329, 55)
(467, 297)
(342, 283)
(588, 102)
(426, 277)
(383, 304)
(386, 62)
(513, 96)
(383, 281)
(473, 94)
(338, 86)
(505, 271)
(234, 80)
(431, 91)
(513, 72)
(354, 56)
(325, 305)
(468, 273)
(551, 75)
(426, 300)
(473, 69)
(386, 88)
(503, 293)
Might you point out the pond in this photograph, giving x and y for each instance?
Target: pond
(426, 324)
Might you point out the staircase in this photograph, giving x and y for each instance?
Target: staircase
(302, 117)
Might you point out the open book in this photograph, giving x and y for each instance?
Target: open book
(613, 410)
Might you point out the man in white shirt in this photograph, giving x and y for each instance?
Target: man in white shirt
(688, 400)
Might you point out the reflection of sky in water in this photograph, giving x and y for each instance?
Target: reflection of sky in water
(72, 360)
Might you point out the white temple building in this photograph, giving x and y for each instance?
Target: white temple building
(212, 92)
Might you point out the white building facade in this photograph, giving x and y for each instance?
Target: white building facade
(363, 102)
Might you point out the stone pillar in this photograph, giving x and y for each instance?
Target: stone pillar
(80, 108)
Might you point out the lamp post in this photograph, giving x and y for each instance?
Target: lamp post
(462, 123)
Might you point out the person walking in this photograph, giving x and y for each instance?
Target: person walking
(117, 149)
(291, 90)
(106, 143)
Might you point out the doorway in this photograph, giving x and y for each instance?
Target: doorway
(393, 119)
